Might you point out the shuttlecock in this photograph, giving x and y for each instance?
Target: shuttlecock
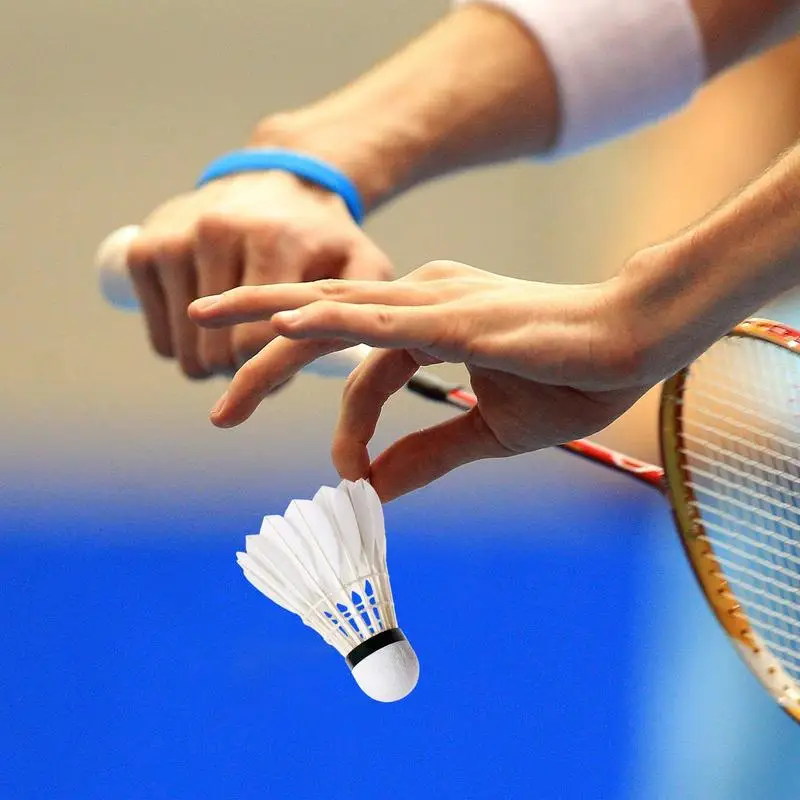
(325, 560)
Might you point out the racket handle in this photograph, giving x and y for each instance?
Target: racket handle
(116, 287)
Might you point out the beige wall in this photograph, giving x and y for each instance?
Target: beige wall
(109, 107)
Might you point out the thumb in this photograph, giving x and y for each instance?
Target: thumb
(424, 456)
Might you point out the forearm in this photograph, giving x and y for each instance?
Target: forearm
(733, 29)
(475, 89)
(694, 288)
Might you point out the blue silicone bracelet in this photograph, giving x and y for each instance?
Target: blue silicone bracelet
(311, 169)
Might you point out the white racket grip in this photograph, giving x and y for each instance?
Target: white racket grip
(112, 267)
(117, 288)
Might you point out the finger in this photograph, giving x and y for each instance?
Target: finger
(266, 262)
(249, 303)
(249, 339)
(431, 328)
(151, 299)
(302, 261)
(176, 270)
(217, 256)
(263, 374)
(424, 456)
(366, 392)
(366, 263)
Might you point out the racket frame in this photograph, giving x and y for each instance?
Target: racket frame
(697, 547)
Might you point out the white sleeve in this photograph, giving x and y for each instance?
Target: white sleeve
(619, 64)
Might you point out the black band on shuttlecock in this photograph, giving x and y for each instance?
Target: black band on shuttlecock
(371, 645)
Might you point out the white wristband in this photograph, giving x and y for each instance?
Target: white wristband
(619, 64)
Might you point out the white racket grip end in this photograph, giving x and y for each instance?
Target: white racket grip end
(112, 267)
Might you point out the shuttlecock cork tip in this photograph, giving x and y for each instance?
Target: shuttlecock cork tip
(385, 666)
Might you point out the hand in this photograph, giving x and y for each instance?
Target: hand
(248, 229)
(547, 363)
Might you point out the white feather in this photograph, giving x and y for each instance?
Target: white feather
(273, 549)
(339, 510)
(316, 545)
(369, 518)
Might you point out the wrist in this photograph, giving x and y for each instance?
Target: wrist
(674, 305)
(376, 162)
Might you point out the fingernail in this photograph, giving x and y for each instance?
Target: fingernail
(204, 303)
(220, 405)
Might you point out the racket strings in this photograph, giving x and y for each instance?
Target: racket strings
(741, 448)
(767, 533)
(705, 431)
(724, 400)
(737, 475)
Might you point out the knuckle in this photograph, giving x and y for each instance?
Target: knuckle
(384, 317)
(149, 249)
(266, 232)
(434, 270)
(140, 255)
(170, 249)
(331, 288)
(307, 250)
(213, 227)
(264, 251)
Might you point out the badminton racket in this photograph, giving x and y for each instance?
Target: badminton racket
(729, 430)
